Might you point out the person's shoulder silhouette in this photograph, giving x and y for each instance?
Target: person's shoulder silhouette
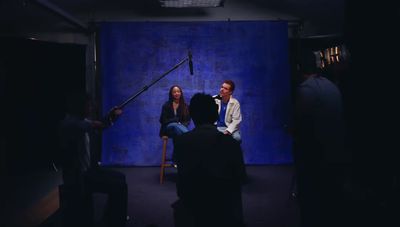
(210, 168)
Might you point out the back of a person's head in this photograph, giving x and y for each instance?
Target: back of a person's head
(308, 62)
(76, 103)
(203, 109)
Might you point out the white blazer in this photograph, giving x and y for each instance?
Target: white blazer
(233, 117)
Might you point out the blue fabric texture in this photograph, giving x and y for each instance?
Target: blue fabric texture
(254, 54)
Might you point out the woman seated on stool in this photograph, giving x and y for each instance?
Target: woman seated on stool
(175, 116)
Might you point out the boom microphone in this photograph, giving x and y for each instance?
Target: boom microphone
(190, 62)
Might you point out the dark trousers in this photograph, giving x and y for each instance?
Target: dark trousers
(78, 199)
(322, 199)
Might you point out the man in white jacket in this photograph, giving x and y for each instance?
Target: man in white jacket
(228, 110)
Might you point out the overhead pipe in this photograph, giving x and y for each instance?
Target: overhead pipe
(62, 13)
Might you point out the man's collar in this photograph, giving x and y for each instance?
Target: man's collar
(228, 99)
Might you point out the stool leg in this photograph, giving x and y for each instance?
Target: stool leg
(163, 159)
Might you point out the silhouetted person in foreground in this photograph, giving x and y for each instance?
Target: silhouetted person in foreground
(320, 155)
(81, 176)
(210, 171)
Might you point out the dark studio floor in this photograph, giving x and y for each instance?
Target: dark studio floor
(33, 199)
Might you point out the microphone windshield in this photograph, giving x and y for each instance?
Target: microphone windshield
(190, 62)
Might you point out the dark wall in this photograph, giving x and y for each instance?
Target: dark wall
(372, 90)
(36, 77)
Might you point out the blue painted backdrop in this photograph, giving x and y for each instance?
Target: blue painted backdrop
(254, 54)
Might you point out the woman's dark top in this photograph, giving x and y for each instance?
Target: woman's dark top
(168, 116)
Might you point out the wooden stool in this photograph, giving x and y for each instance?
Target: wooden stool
(164, 161)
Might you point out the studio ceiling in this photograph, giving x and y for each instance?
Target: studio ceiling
(19, 17)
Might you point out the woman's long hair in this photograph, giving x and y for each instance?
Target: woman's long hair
(185, 109)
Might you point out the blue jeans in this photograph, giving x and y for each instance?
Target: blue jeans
(175, 129)
(235, 134)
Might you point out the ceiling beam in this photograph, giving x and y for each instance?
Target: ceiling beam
(62, 13)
